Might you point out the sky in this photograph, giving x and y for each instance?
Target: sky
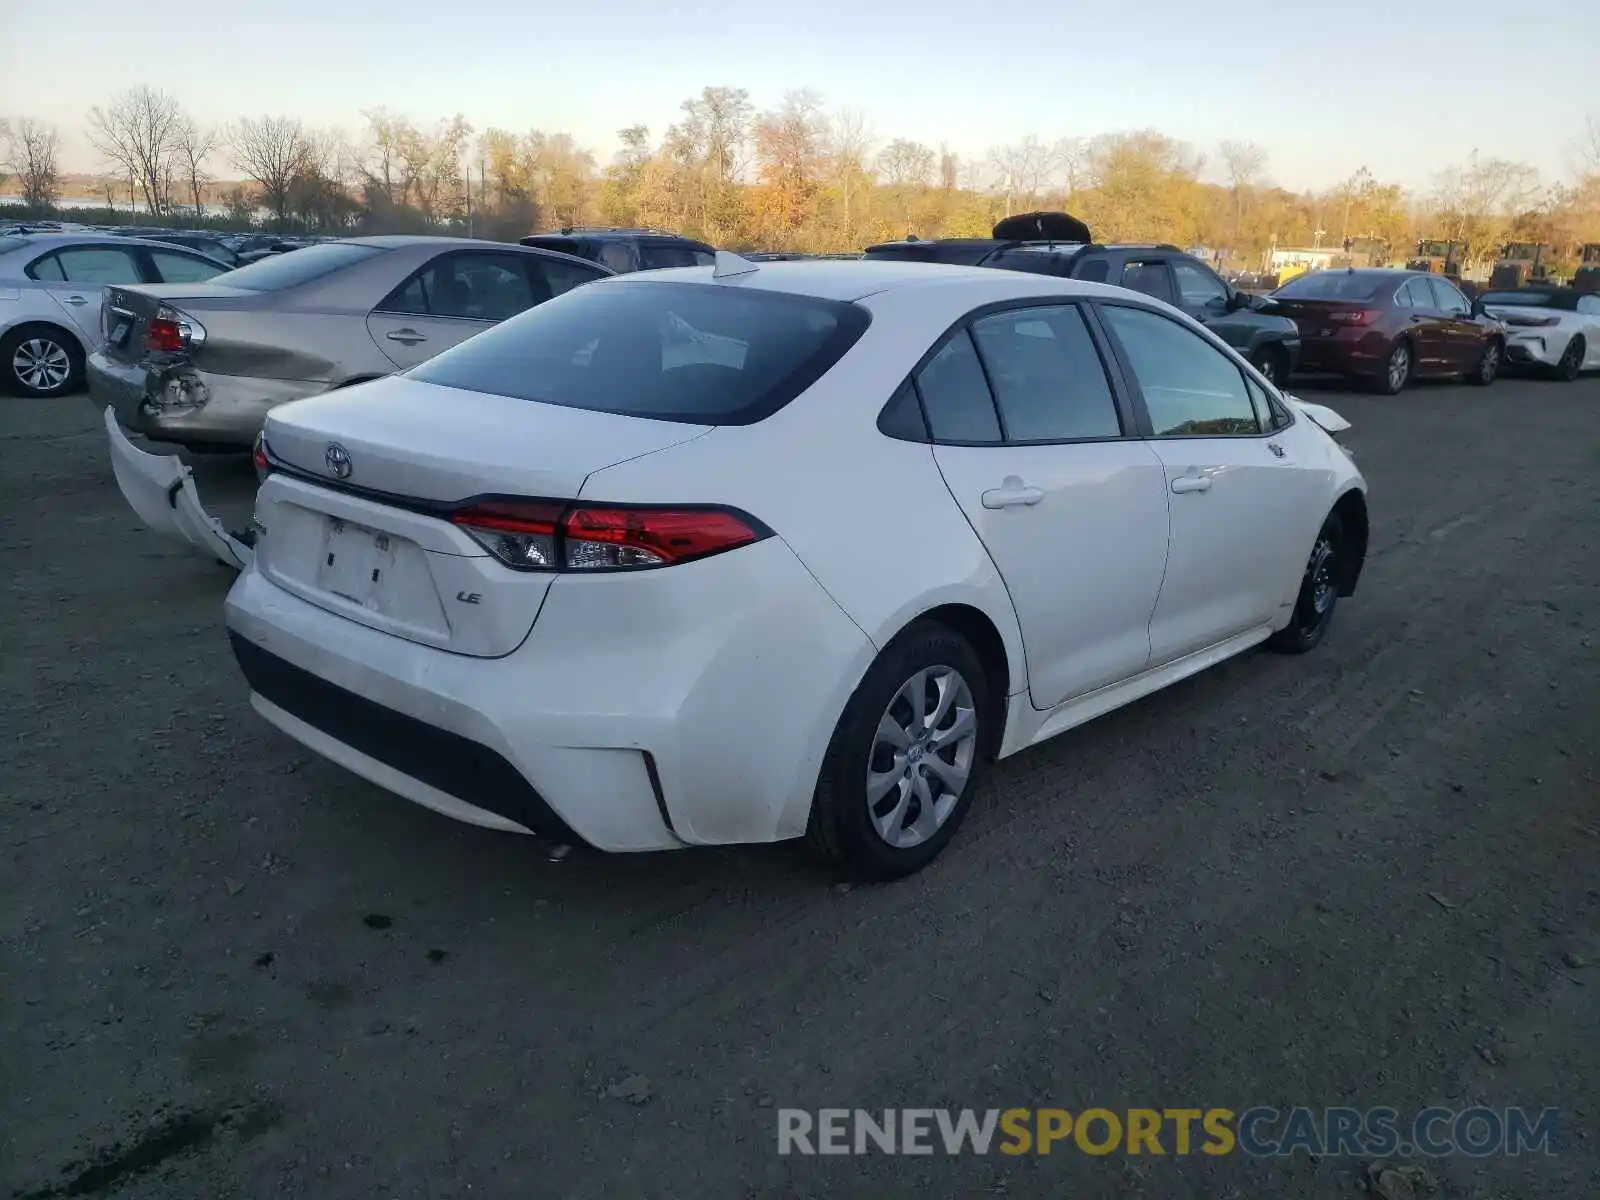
(1403, 87)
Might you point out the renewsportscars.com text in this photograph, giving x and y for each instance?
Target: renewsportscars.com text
(1259, 1132)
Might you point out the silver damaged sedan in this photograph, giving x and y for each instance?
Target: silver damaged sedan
(200, 365)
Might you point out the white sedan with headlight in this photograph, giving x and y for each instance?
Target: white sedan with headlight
(739, 553)
(1556, 329)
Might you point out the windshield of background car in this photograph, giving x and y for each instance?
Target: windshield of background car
(1517, 299)
(708, 354)
(8, 244)
(1334, 285)
(294, 267)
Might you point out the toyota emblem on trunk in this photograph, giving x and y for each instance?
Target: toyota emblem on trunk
(338, 460)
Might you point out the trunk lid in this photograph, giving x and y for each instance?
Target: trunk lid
(126, 312)
(371, 545)
(1312, 317)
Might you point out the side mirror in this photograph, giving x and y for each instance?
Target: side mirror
(1240, 300)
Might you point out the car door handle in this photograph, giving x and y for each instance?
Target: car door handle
(1191, 483)
(409, 336)
(76, 300)
(1012, 493)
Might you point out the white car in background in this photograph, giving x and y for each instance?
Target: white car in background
(1556, 329)
(51, 286)
(897, 519)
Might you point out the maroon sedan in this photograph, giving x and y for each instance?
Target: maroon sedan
(1389, 327)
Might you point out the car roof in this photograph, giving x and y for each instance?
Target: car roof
(617, 233)
(855, 279)
(397, 241)
(47, 241)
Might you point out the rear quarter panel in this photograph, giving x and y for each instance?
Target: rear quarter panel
(270, 341)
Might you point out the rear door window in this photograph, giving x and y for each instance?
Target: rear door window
(1096, 270)
(554, 276)
(1048, 380)
(183, 268)
(955, 394)
(699, 353)
(1150, 277)
(468, 286)
(656, 256)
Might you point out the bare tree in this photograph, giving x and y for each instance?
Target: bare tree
(906, 164)
(1476, 204)
(5, 140)
(192, 146)
(1589, 147)
(849, 141)
(1070, 154)
(138, 132)
(1023, 171)
(272, 151)
(1242, 165)
(29, 150)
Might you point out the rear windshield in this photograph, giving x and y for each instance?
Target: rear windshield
(294, 267)
(1516, 299)
(1335, 285)
(705, 353)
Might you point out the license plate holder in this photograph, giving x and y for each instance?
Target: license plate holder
(354, 561)
(121, 324)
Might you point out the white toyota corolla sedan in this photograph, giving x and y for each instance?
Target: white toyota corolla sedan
(738, 553)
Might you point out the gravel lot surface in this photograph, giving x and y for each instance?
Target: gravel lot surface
(1367, 877)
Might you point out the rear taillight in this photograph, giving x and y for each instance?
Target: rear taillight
(545, 535)
(258, 455)
(173, 332)
(1354, 316)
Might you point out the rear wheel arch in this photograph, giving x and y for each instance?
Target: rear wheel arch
(980, 632)
(1351, 511)
(50, 327)
(67, 338)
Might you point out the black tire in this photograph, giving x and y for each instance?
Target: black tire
(840, 831)
(1273, 364)
(1398, 370)
(1488, 368)
(44, 346)
(1570, 365)
(1318, 596)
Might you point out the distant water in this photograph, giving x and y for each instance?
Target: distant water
(77, 202)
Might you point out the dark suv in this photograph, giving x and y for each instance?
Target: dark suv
(1057, 244)
(624, 250)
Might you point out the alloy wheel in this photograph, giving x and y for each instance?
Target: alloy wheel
(1490, 366)
(1571, 363)
(922, 755)
(41, 365)
(1399, 367)
(1268, 366)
